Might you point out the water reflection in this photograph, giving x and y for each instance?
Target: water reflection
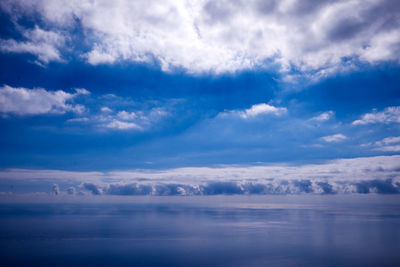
(190, 231)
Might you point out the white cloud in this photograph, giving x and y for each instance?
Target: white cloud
(381, 47)
(106, 109)
(106, 118)
(82, 91)
(45, 45)
(336, 138)
(96, 57)
(394, 148)
(388, 115)
(324, 116)
(261, 109)
(144, 118)
(157, 113)
(316, 37)
(23, 101)
(388, 144)
(254, 111)
(127, 115)
(389, 140)
(122, 125)
(133, 120)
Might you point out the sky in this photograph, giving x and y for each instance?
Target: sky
(199, 97)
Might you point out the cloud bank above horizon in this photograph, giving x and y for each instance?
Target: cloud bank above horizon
(343, 176)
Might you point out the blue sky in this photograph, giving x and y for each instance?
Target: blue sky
(162, 86)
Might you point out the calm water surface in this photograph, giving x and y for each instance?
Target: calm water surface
(203, 231)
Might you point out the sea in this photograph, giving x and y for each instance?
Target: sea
(236, 230)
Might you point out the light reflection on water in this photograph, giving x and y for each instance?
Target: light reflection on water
(198, 231)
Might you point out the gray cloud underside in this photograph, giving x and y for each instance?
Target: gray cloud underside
(272, 187)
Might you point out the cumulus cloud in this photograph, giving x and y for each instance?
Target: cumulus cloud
(378, 186)
(23, 101)
(269, 187)
(325, 116)
(255, 111)
(314, 37)
(388, 115)
(128, 189)
(222, 188)
(261, 109)
(303, 186)
(326, 187)
(94, 189)
(336, 138)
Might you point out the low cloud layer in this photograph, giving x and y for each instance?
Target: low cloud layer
(360, 175)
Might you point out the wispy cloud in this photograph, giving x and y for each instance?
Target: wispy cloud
(45, 45)
(325, 116)
(388, 115)
(391, 148)
(336, 138)
(124, 115)
(138, 120)
(389, 140)
(82, 120)
(388, 144)
(122, 125)
(105, 109)
(39, 101)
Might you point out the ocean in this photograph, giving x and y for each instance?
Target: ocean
(273, 230)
